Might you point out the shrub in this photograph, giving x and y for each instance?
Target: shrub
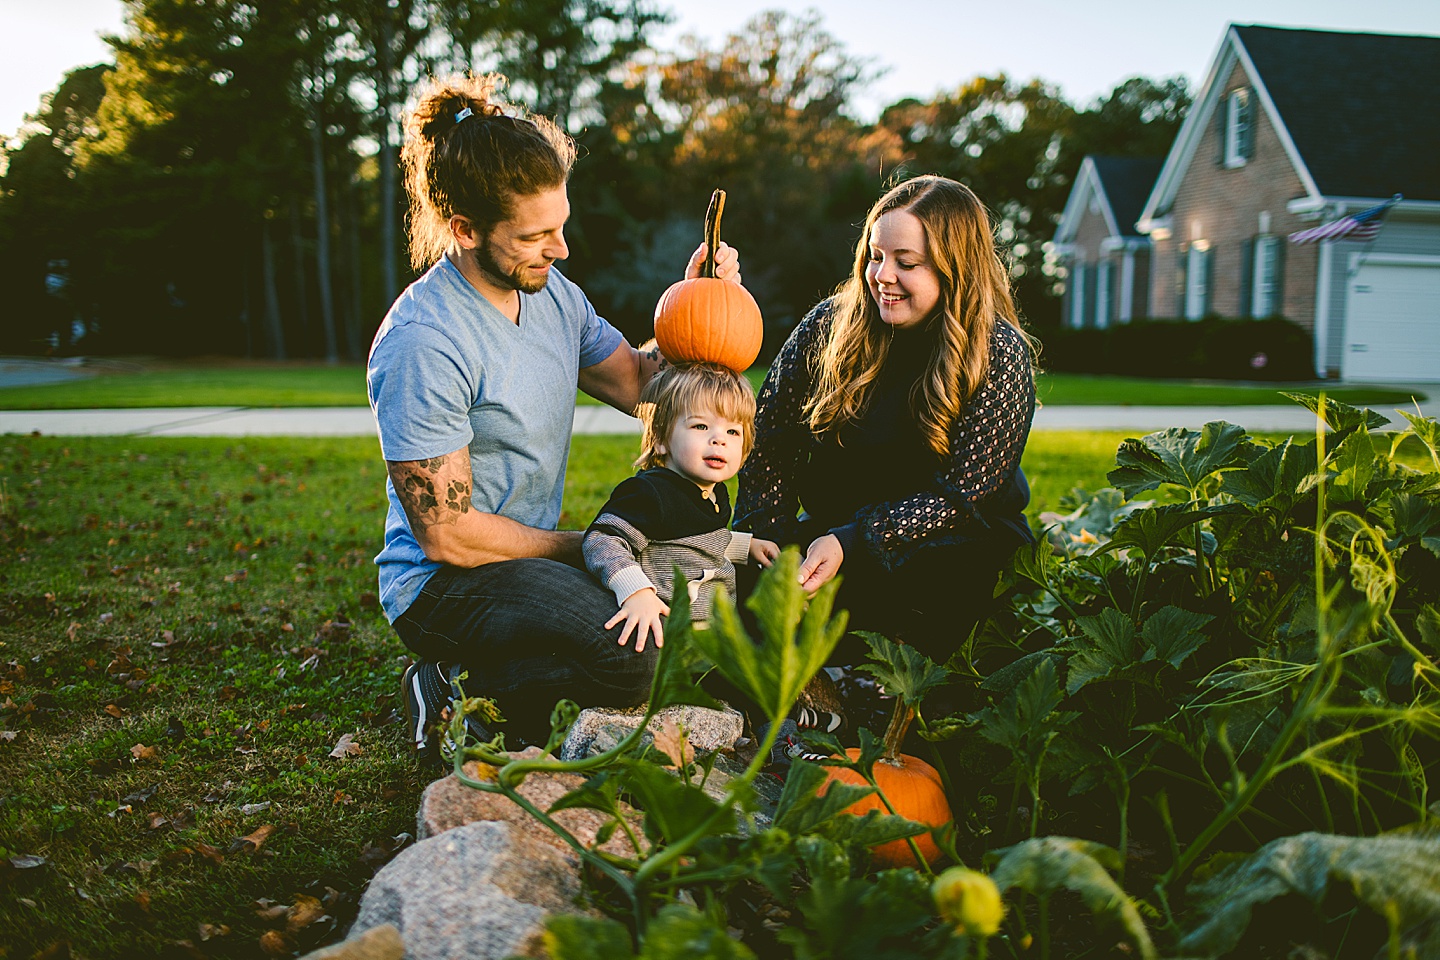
(1214, 348)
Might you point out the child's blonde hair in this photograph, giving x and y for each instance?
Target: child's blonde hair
(682, 388)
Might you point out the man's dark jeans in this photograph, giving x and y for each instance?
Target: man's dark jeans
(530, 632)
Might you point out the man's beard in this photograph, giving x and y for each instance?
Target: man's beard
(512, 280)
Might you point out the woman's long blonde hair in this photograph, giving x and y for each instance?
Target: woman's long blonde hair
(974, 294)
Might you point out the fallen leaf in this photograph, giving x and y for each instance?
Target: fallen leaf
(27, 861)
(9, 735)
(273, 943)
(267, 909)
(106, 617)
(140, 796)
(175, 730)
(246, 750)
(184, 820)
(210, 853)
(672, 742)
(141, 753)
(115, 710)
(342, 798)
(303, 912)
(72, 631)
(346, 747)
(210, 930)
(237, 576)
(158, 820)
(252, 842)
(251, 809)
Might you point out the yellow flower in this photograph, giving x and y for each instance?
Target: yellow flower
(969, 900)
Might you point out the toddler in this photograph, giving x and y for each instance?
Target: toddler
(699, 423)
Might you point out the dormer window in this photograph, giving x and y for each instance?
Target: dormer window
(1239, 128)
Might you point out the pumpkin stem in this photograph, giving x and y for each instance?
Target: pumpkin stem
(712, 232)
(899, 726)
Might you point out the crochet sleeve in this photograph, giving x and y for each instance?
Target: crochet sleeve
(767, 503)
(986, 443)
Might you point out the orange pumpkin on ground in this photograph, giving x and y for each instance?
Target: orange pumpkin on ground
(706, 319)
(911, 785)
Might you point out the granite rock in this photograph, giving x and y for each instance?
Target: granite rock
(447, 804)
(598, 729)
(377, 943)
(480, 891)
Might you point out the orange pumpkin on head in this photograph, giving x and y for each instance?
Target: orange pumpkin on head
(912, 786)
(706, 319)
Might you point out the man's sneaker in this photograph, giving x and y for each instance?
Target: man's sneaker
(826, 721)
(788, 747)
(425, 690)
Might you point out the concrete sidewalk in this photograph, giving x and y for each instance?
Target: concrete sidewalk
(358, 421)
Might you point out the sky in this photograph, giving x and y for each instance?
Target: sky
(925, 46)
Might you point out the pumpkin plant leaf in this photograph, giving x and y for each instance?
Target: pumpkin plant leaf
(1148, 531)
(869, 830)
(1108, 645)
(680, 658)
(801, 808)
(1391, 874)
(673, 810)
(600, 792)
(573, 936)
(1340, 417)
(1036, 562)
(1026, 717)
(1045, 865)
(1354, 463)
(1173, 634)
(681, 932)
(1412, 518)
(1427, 431)
(797, 638)
(1278, 477)
(1176, 456)
(850, 917)
(902, 670)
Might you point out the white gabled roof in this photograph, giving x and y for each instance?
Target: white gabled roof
(1200, 118)
(1087, 184)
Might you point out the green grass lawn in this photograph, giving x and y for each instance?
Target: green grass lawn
(198, 616)
(254, 384)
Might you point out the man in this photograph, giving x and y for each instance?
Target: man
(472, 378)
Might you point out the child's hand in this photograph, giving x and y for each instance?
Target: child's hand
(641, 613)
(763, 552)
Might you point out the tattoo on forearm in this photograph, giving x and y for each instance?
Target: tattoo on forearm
(424, 504)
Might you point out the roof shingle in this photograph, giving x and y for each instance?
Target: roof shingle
(1362, 108)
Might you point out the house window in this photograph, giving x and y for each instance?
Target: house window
(1077, 294)
(1102, 293)
(1239, 127)
(1265, 292)
(1197, 280)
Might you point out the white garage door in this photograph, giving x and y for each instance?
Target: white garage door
(1392, 320)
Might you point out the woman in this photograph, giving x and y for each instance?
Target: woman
(895, 417)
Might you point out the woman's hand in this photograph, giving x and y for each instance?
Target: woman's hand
(822, 562)
(763, 552)
(641, 613)
(727, 263)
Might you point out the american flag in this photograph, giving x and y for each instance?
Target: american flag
(1364, 225)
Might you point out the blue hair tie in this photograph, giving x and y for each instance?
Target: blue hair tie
(467, 112)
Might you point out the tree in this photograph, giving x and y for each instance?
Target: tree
(40, 215)
(762, 116)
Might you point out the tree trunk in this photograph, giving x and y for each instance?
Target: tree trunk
(297, 263)
(273, 327)
(322, 230)
(355, 320)
(385, 87)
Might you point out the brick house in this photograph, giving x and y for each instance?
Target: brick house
(1291, 129)
(1106, 258)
